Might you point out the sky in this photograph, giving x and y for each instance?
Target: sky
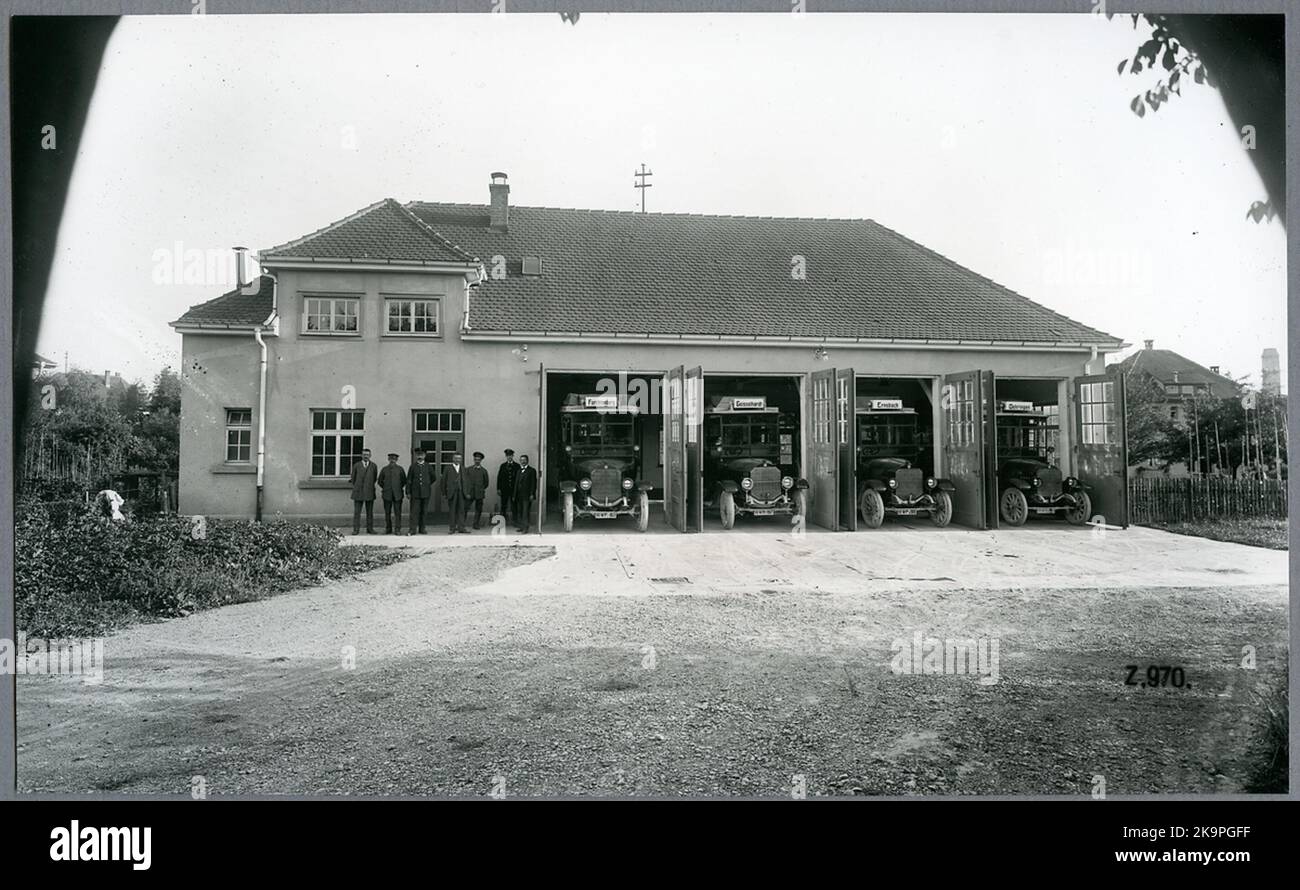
(1004, 142)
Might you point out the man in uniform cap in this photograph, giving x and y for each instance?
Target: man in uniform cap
(475, 485)
(419, 485)
(392, 486)
(525, 492)
(507, 475)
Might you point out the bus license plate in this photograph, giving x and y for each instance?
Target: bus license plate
(764, 512)
(1041, 510)
(906, 511)
(605, 515)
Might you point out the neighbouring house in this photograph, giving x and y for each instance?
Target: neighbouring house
(449, 327)
(1182, 382)
(42, 366)
(1181, 378)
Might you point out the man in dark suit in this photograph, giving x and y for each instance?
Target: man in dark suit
(525, 492)
(364, 475)
(392, 487)
(475, 486)
(419, 485)
(507, 475)
(451, 485)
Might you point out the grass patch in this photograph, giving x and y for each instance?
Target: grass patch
(1270, 533)
(1270, 744)
(79, 574)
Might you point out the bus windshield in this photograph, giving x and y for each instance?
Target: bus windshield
(599, 430)
(887, 431)
(742, 436)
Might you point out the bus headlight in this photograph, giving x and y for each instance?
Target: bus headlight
(627, 484)
(585, 485)
(893, 483)
(929, 483)
(1071, 482)
(787, 482)
(747, 483)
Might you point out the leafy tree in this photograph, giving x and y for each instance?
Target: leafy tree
(1151, 434)
(1244, 58)
(91, 428)
(156, 429)
(166, 392)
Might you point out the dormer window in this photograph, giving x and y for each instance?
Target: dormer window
(533, 265)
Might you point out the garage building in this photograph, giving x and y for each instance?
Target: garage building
(463, 327)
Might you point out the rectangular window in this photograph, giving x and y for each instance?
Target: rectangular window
(822, 411)
(961, 413)
(414, 317)
(331, 315)
(337, 440)
(239, 435)
(438, 421)
(1097, 411)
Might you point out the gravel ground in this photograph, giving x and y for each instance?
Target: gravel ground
(458, 689)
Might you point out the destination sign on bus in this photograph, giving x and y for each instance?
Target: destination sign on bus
(886, 404)
(1010, 405)
(600, 401)
(751, 403)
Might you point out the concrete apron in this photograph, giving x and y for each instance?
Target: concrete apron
(889, 559)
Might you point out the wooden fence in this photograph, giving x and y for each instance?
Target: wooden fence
(1157, 499)
(46, 458)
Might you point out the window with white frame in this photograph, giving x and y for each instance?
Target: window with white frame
(331, 315)
(411, 316)
(239, 435)
(337, 440)
(438, 421)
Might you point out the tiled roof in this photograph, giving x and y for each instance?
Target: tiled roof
(673, 273)
(233, 309)
(1167, 366)
(613, 272)
(383, 232)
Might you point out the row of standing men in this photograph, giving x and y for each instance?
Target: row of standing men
(460, 487)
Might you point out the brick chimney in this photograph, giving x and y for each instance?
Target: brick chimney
(1214, 368)
(499, 190)
(1150, 344)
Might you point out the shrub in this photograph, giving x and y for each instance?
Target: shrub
(78, 573)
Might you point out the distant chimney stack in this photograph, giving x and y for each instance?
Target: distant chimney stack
(239, 266)
(499, 190)
(1149, 343)
(1214, 368)
(1271, 380)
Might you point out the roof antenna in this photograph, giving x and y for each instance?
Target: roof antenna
(642, 185)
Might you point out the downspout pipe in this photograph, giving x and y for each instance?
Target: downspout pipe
(471, 281)
(261, 395)
(261, 423)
